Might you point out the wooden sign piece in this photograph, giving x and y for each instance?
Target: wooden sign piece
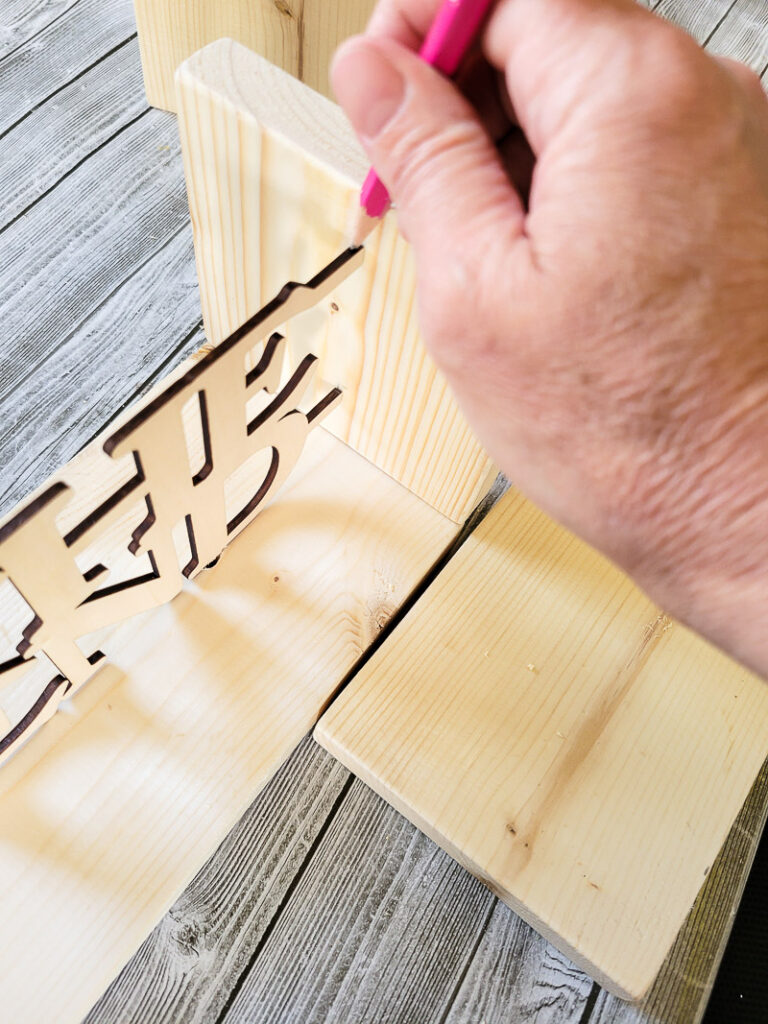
(273, 174)
(578, 751)
(177, 510)
(297, 35)
(112, 808)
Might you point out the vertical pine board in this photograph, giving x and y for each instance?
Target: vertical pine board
(243, 121)
(299, 36)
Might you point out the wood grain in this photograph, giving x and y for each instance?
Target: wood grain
(204, 947)
(83, 393)
(189, 965)
(541, 720)
(64, 130)
(243, 120)
(112, 214)
(299, 36)
(61, 51)
(98, 283)
(516, 975)
(743, 35)
(208, 450)
(23, 20)
(370, 941)
(108, 812)
(700, 20)
(149, 322)
(682, 988)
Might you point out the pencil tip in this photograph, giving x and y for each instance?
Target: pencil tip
(362, 225)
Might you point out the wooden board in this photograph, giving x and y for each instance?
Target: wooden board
(97, 104)
(143, 305)
(109, 811)
(582, 754)
(297, 35)
(380, 923)
(151, 503)
(373, 920)
(189, 965)
(743, 35)
(65, 40)
(244, 121)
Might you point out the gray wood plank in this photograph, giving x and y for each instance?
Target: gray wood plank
(744, 34)
(415, 934)
(698, 18)
(384, 927)
(144, 328)
(68, 46)
(516, 975)
(187, 968)
(61, 132)
(21, 20)
(67, 255)
(681, 991)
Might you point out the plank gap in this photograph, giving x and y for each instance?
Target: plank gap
(468, 963)
(708, 40)
(65, 85)
(74, 168)
(287, 897)
(43, 28)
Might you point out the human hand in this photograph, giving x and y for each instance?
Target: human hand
(608, 337)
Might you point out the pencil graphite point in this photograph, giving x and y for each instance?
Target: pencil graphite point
(361, 225)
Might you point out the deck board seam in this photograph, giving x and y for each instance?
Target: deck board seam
(39, 32)
(287, 897)
(589, 1007)
(75, 167)
(719, 25)
(65, 85)
(469, 961)
(78, 326)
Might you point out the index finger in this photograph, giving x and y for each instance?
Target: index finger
(404, 21)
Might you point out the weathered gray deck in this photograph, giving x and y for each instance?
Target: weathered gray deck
(323, 904)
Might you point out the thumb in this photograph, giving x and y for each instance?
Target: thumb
(428, 145)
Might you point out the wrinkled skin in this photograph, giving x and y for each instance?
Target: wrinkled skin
(603, 322)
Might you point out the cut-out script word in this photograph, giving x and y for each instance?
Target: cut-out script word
(202, 465)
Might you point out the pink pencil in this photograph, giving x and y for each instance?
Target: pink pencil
(452, 32)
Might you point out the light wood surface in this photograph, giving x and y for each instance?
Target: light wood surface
(683, 985)
(107, 813)
(343, 895)
(151, 503)
(297, 35)
(576, 749)
(118, 291)
(368, 892)
(243, 121)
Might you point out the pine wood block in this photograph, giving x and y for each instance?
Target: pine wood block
(108, 812)
(274, 175)
(298, 35)
(573, 747)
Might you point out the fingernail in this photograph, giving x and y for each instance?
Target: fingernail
(367, 85)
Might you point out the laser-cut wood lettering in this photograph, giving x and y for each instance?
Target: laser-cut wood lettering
(213, 400)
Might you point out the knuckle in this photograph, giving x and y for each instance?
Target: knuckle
(750, 80)
(418, 154)
(678, 80)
